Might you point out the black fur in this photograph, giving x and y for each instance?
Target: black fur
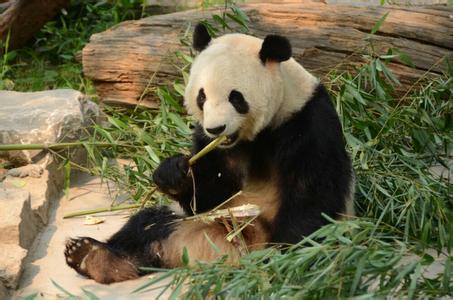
(237, 100)
(315, 170)
(172, 177)
(136, 236)
(201, 37)
(201, 99)
(307, 152)
(275, 48)
(211, 189)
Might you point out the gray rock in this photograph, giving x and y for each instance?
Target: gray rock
(26, 192)
(11, 265)
(18, 225)
(3, 291)
(18, 229)
(442, 172)
(42, 118)
(32, 170)
(43, 191)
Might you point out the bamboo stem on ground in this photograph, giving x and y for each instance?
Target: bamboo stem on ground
(100, 210)
(55, 146)
(15, 147)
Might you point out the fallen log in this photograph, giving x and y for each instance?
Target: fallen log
(123, 61)
(21, 19)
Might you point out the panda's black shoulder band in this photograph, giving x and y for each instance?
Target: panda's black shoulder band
(275, 48)
(201, 37)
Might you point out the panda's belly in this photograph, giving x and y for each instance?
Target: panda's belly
(264, 194)
(259, 189)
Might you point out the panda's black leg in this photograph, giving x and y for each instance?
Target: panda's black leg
(121, 256)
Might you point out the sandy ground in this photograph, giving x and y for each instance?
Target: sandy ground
(46, 260)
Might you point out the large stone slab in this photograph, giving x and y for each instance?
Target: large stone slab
(42, 117)
(17, 222)
(28, 191)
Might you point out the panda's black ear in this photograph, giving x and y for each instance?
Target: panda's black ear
(201, 37)
(275, 48)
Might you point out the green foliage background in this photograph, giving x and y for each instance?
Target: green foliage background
(405, 211)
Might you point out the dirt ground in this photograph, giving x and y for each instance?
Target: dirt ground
(46, 260)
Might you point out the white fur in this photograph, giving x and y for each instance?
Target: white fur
(273, 91)
(177, 209)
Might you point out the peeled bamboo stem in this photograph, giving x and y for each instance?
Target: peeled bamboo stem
(100, 210)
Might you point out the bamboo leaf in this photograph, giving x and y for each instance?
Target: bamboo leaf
(177, 291)
(156, 279)
(221, 21)
(212, 244)
(152, 154)
(414, 279)
(379, 23)
(30, 297)
(67, 177)
(185, 257)
(59, 287)
(90, 295)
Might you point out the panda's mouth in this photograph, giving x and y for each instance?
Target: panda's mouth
(230, 140)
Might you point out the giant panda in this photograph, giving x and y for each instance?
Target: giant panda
(284, 150)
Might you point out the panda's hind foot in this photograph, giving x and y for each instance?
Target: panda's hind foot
(96, 260)
(76, 252)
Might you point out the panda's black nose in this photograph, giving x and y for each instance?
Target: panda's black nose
(216, 130)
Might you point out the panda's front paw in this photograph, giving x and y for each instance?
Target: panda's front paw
(172, 175)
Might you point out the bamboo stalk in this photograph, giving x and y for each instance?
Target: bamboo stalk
(100, 210)
(237, 233)
(209, 147)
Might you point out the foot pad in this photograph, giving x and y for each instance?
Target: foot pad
(98, 261)
(76, 252)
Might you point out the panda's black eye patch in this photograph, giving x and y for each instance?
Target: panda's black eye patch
(237, 100)
(201, 99)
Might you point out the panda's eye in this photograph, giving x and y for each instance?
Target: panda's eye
(201, 98)
(238, 102)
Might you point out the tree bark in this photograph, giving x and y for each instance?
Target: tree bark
(123, 61)
(23, 18)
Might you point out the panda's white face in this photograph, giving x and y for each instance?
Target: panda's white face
(230, 91)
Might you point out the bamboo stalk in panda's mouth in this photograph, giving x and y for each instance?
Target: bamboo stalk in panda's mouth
(209, 147)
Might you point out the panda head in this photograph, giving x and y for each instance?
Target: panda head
(235, 86)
